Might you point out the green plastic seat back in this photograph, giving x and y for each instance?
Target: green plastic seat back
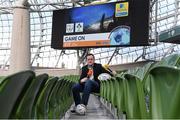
(60, 91)
(1, 78)
(66, 98)
(27, 105)
(144, 71)
(12, 90)
(109, 90)
(53, 102)
(42, 105)
(144, 76)
(102, 89)
(171, 60)
(132, 71)
(57, 109)
(119, 94)
(135, 106)
(62, 98)
(112, 90)
(165, 93)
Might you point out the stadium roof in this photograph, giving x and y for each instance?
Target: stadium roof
(165, 15)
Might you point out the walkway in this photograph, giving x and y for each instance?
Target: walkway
(95, 110)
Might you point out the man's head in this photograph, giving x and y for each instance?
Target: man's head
(90, 59)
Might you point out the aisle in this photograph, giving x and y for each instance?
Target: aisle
(94, 111)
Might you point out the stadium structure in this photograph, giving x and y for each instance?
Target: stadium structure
(36, 79)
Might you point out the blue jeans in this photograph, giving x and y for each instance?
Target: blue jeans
(86, 88)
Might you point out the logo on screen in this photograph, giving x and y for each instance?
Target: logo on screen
(79, 27)
(120, 35)
(70, 28)
(122, 9)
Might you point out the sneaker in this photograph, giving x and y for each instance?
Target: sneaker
(73, 109)
(81, 109)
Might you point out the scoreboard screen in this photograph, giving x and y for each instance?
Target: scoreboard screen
(123, 23)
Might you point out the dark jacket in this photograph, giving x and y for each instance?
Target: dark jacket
(97, 68)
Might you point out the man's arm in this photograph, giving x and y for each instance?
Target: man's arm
(83, 76)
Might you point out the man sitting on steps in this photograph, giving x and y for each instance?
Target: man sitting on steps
(88, 82)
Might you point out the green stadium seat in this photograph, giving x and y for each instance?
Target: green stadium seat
(42, 105)
(121, 71)
(165, 92)
(26, 108)
(172, 60)
(118, 100)
(132, 71)
(134, 97)
(1, 78)
(104, 89)
(113, 84)
(62, 98)
(108, 90)
(67, 98)
(12, 90)
(53, 102)
(144, 71)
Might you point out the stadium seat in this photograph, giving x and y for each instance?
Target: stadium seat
(112, 95)
(142, 74)
(134, 97)
(42, 105)
(53, 100)
(172, 60)
(119, 94)
(108, 87)
(165, 92)
(132, 71)
(26, 108)
(144, 71)
(12, 90)
(68, 99)
(107, 90)
(102, 88)
(58, 110)
(1, 78)
(62, 98)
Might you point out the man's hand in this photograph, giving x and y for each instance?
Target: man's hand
(83, 80)
(90, 72)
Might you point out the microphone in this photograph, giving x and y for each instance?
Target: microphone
(90, 70)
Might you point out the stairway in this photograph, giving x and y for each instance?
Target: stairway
(95, 110)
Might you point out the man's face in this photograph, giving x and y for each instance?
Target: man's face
(90, 60)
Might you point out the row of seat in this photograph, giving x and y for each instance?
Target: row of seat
(152, 91)
(73, 78)
(148, 92)
(24, 95)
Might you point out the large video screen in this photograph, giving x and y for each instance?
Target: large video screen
(123, 23)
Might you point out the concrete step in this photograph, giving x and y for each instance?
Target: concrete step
(95, 110)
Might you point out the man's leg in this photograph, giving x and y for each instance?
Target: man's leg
(76, 89)
(90, 86)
